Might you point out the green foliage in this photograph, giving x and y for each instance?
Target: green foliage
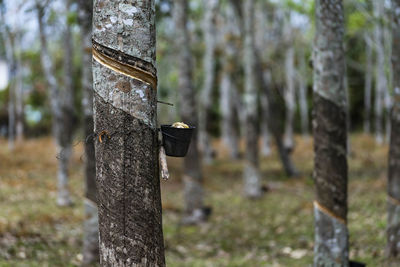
(356, 22)
(72, 18)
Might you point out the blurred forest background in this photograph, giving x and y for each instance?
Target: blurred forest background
(275, 230)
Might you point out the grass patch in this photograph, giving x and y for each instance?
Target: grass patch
(276, 230)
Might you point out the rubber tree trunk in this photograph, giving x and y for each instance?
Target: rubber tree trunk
(61, 127)
(228, 84)
(302, 96)
(19, 94)
(393, 225)
(192, 173)
(261, 29)
(276, 107)
(331, 246)
(387, 43)
(67, 124)
(206, 99)
(275, 103)
(251, 174)
(230, 134)
(380, 78)
(289, 99)
(125, 122)
(367, 85)
(90, 249)
(289, 90)
(265, 109)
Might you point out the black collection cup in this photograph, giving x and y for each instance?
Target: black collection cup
(176, 141)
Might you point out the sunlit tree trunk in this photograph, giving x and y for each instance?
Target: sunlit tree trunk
(380, 78)
(251, 174)
(57, 99)
(368, 84)
(393, 225)
(192, 174)
(206, 99)
(125, 121)
(331, 246)
(91, 225)
(228, 84)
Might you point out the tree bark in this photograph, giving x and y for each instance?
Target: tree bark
(330, 164)
(62, 124)
(380, 78)
(206, 99)
(90, 249)
(192, 173)
(393, 228)
(228, 86)
(251, 174)
(367, 85)
(125, 121)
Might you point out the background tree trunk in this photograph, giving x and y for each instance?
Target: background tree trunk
(251, 174)
(387, 48)
(125, 115)
(275, 102)
(302, 93)
(19, 93)
(261, 34)
(67, 124)
(91, 225)
(393, 228)
(265, 134)
(57, 110)
(192, 174)
(288, 140)
(229, 91)
(380, 78)
(206, 98)
(289, 99)
(330, 135)
(368, 84)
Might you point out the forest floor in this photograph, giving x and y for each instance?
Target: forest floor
(276, 230)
